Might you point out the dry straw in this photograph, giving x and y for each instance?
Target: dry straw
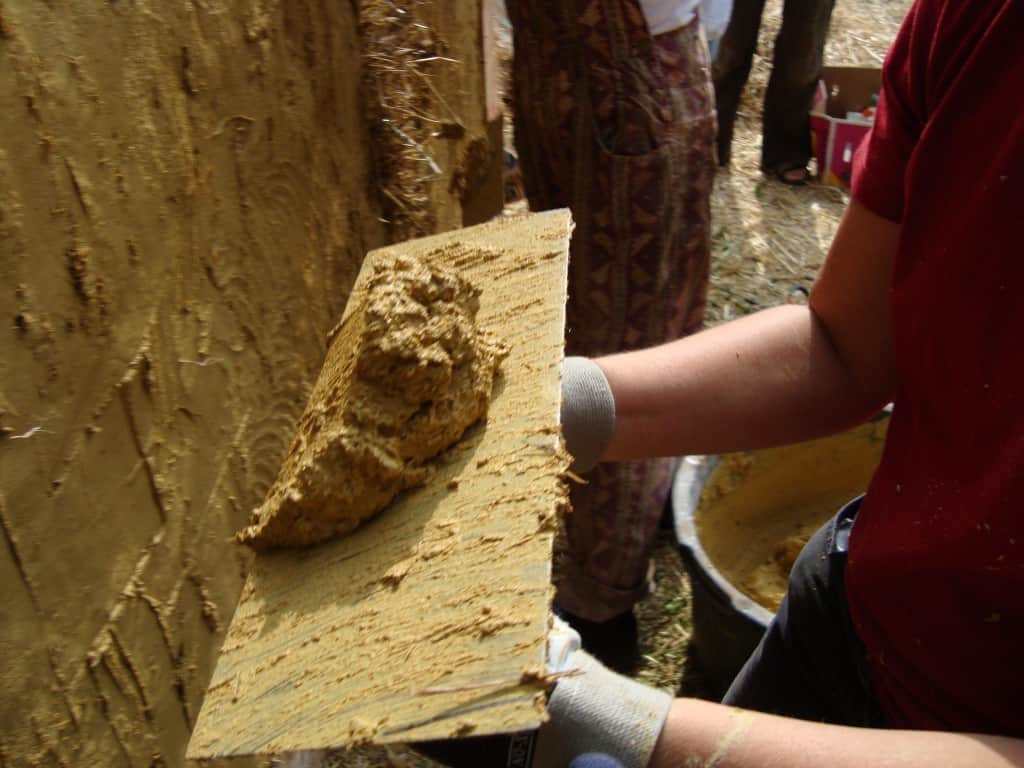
(399, 49)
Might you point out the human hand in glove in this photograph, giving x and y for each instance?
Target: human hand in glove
(588, 412)
(598, 719)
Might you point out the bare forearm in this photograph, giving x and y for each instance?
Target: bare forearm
(779, 376)
(771, 378)
(701, 733)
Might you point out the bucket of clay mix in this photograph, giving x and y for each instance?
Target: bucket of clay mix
(741, 519)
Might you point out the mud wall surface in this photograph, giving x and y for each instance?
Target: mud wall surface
(431, 83)
(186, 194)
(185, 200)
(469, 189)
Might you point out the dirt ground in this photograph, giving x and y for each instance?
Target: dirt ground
(768, 239)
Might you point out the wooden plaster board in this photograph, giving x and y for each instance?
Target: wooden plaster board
(422, 623)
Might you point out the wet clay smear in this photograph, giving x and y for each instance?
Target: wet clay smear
(407, 372)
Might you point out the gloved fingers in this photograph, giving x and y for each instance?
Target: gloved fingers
(600, 711)
(588, 412)
(595, 760)
(563, 641)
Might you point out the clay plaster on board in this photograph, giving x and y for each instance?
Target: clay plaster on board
(407, 373)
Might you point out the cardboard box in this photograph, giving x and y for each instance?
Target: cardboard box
(834, 137)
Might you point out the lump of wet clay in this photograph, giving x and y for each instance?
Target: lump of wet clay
(406, 373)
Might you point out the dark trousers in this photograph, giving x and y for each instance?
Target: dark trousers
(810, 663)
(796, 67)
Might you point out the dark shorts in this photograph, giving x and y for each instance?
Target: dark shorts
(810, 663)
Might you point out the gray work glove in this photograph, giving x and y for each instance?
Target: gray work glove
(591, 709)
(588, 412)
(597, 710)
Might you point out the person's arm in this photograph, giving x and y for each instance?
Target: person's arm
(781, 375)
(702, 733)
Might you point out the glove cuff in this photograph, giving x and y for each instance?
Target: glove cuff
(588, 412)
(598, 710)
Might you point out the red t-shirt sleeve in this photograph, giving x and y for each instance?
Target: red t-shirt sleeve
(880, 163)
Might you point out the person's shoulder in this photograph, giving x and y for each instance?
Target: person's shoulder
(956, 32)
(952, 43)
(954, 62)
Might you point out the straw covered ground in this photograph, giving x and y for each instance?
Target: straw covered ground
(769, 239)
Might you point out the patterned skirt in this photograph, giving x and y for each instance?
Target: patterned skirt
(618, 126)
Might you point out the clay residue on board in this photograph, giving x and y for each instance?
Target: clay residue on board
(408, 371)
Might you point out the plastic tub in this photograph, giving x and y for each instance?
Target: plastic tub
(739, 519)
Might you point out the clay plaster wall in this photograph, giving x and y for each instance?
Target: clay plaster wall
(470, 189)
(185, 199)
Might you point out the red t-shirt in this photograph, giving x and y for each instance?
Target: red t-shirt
(935, 579)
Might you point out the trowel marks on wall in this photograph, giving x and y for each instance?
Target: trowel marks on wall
(183, 208)
(407, 372)
(431, 619)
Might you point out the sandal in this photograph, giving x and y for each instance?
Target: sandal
(793, 176)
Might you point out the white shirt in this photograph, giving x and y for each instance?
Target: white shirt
(665, 15)
(714, 15)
